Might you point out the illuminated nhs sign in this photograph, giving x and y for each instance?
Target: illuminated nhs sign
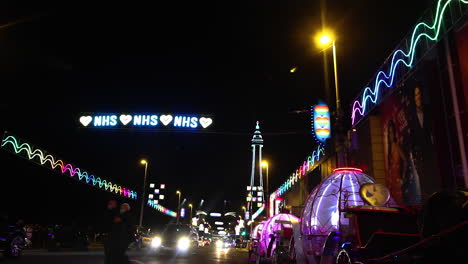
(145, 120)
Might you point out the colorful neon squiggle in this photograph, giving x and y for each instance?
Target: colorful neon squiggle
(162, 209)
(308, 165)
(40, 156)
(407, 59)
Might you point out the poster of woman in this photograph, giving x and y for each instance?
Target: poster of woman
(402, 177)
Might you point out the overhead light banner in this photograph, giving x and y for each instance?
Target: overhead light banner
(145, 121)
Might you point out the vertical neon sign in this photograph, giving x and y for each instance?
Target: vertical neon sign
(321, 123)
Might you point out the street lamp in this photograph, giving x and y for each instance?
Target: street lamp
(178, 206)
(190, 205)
(143, 162)
(324, 40)
(265, 165)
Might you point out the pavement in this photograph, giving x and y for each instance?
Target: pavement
(204, 255)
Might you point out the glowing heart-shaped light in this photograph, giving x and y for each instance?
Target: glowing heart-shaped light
(125, 119)
(375, 194)
(205, 122)
(165, 119)
(85, 120)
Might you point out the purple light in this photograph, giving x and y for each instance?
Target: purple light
(324, 206)
(271, 226)
(257, 231)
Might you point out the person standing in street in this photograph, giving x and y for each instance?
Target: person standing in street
(111, 213)
(123, 234)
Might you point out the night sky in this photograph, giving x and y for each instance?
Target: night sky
(229, 59)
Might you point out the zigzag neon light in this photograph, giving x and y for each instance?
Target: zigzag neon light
(37, 154)
(162, 209)
(406, 59)
(308, 165)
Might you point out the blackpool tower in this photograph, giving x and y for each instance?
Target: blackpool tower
(255, 193)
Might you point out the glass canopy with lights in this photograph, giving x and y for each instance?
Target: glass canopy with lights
(323, 209)
(274, 224)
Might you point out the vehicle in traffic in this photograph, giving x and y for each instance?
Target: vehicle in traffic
(180, 239)
(222, 243)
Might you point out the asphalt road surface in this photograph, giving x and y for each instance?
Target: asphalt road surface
(203, 256)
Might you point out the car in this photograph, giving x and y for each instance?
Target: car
(222, 243)
(239, 243)
(180, 239)
(12, 238)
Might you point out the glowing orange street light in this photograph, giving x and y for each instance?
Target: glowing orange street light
(143, 162)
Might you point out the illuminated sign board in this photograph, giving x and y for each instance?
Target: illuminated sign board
(321, 122)
(145, 120)
(182, 212)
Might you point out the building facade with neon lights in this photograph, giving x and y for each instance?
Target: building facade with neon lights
(408, 126)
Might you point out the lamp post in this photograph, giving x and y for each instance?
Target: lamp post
(190, 205)
(143, 162)
(178, 206)
(325, 40)
(265, 165)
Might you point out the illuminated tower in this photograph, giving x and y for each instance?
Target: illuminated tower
(255, 194)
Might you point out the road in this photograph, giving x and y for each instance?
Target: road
(203, 256)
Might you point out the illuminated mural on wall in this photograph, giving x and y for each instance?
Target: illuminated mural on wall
(145, 120)
(371, 94)
(44, 159)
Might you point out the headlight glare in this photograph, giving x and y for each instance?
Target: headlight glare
(156, 242)
(219, 244)
(183, 243)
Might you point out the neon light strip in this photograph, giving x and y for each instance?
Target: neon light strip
(352, 188)
(31, 154)
(258, 212)
(162, 209)
(347, 169)
(372, 94)
(301, 171)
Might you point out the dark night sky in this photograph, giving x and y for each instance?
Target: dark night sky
(230, 59)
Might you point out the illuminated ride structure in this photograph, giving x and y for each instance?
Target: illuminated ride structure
(255, 237)
(275, 237)
(324, 209)
(257, 231)
(348, 218)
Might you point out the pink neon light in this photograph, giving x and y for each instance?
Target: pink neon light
(270, 227)
(347, 169)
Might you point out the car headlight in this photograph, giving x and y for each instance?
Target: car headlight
(156, 242)
(219, 244)
(183, 243)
